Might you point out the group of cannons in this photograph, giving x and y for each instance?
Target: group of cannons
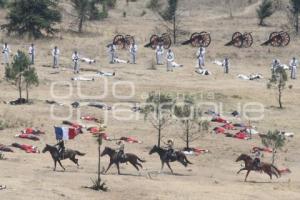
(203, 39)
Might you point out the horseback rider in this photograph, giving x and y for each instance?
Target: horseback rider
(170, 148)
(120, 150)
(61, 148)
(256, 154)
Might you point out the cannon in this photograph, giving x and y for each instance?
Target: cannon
(165, 39)
(241, 40)
(278, 39)
(122, 41)
(201, 39)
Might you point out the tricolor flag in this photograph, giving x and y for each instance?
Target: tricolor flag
(65, 133)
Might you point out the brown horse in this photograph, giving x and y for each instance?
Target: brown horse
(115, 159)
(264, 167)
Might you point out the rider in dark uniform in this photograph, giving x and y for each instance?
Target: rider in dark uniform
(256, 155)
(120, 150)
(61, 148)
(170, 148)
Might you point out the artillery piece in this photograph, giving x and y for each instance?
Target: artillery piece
(241, 40)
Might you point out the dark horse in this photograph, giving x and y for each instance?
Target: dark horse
(264, 167)
(114, 159)
(180, 157)
(69, 153)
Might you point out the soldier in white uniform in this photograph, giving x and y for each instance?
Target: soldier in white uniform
(170, 59)
(133, 51)
(31, 52)
(275, 65)
(5, 52)
(159, 54)
(76, 59)
(112, 53)
(201, 57)
(293, 65)
(225, 64)
(55, 54)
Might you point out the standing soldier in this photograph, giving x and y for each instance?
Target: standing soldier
(31, 52)
(170, 60)
(133, 51)
(76, 59)
(112, 52)
(226, 65)
(55, 54)
(293, 65)
(5, 52)
(159, 54)
(275, 65)
(201, 57)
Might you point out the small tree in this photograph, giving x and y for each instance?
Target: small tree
(278, 81)
(158, 112)
(188, 116)
(30, 79)
(32, 17)
(15, 71)
(82, 8)
(274, 140)
(293, 14)
(264, 11)
(153, 5)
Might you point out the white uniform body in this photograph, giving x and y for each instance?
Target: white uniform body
(293, 66)
(159, 55)
(5, 52)
(133, 52)
(55, 54)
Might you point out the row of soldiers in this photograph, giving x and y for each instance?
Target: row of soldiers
(32, 54)
(170, 58)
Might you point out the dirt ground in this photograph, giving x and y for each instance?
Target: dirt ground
(212, 175)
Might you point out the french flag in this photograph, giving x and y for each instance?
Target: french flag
(65, 133)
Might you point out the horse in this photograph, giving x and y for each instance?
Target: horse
(164, 158)
(115, 159)
(69, 153)
(264, 167)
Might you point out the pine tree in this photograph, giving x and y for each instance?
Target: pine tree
(3, 3)
(15, 71)
(264, 11)
(32, 17)
(170, 11)
(30, 79)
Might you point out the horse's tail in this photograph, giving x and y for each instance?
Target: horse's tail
(79, 153)
(187, 161)
(277, 171)
(141, 160)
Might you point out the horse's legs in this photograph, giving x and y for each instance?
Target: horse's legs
(168, 164)
(54, 165)
(109, 165)
(134, 164)
(61, 165)
(241, 170)
(247, 175)
(139, 164)
(162, 166)
(75, 161)
(118, 167)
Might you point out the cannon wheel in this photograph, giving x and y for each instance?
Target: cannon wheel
(195, 39)
(205, 39)
(237, 39)
(275, 39)
(119, 41)
(285, 39)
(166, 39)
(248, 40)
(154, 39)
(128, 40)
